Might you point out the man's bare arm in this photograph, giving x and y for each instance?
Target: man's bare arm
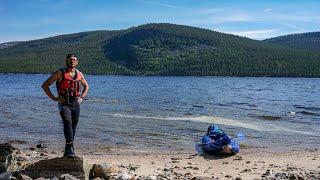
(85, 87)
(45, 86)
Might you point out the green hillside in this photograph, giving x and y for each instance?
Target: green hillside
(304, 41)
(161, 49)
(47, 55)
(166, 49)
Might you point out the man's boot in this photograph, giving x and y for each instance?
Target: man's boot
(69, 150)
(65, 151)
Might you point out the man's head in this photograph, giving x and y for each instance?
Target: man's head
(71, 61)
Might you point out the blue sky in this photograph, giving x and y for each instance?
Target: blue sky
(256, 19)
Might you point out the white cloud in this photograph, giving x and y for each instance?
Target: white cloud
(158, 4)
(291, 25)
(240, 17)
(214, 19)
(27, 37)
(209, 11)
(254, 34)
(309, 18)
(268, 10)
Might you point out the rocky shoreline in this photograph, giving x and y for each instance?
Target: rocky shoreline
(38, 163)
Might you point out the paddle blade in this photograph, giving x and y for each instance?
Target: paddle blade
(240, 136)
(199, 149)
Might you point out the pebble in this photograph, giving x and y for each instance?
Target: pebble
(67, 177)
(228, 176)
(41, 146)
(150, 178)
(43, 154)
(166, 169)
(245, 170)
(175, 161)
(133, 168)
(239, 158)
(123, 176)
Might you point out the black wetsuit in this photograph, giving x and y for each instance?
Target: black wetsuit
(69, 112)
(70, 116)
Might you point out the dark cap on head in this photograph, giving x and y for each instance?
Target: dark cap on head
(71, 55)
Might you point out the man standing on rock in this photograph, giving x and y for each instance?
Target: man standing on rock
(68, 81)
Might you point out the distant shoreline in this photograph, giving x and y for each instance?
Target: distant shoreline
(1, 73)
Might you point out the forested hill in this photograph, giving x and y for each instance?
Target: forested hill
(161, 49)
(8, 44)
(47, 55)
(304, 41)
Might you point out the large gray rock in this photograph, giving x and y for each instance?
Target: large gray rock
(104, 171)
(56, 167)
(7, 160)
(5, 175)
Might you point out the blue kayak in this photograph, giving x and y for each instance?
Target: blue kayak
(218, 142)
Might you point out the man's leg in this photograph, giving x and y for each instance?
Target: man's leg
(67, 123)
(75, 117)
(66, 115)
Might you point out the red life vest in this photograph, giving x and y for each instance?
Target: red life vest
(68, 86)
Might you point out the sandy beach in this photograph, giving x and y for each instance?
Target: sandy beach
(248, 164)
(245, 165)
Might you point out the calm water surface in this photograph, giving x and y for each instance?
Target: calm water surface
(166, 113)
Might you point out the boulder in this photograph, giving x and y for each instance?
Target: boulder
(104, 171)
(7, 158)
(5, 175)
(57, 167)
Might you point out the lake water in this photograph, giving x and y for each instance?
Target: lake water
(166, 113)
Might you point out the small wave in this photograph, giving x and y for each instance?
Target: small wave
(208, 119)
(197, 106)
(169, 109)
(308, 113)
(307, 108)
(244, 103)
(291, 113)
(270, 118)
(220, 104)
(188, 114)
(222, 121)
